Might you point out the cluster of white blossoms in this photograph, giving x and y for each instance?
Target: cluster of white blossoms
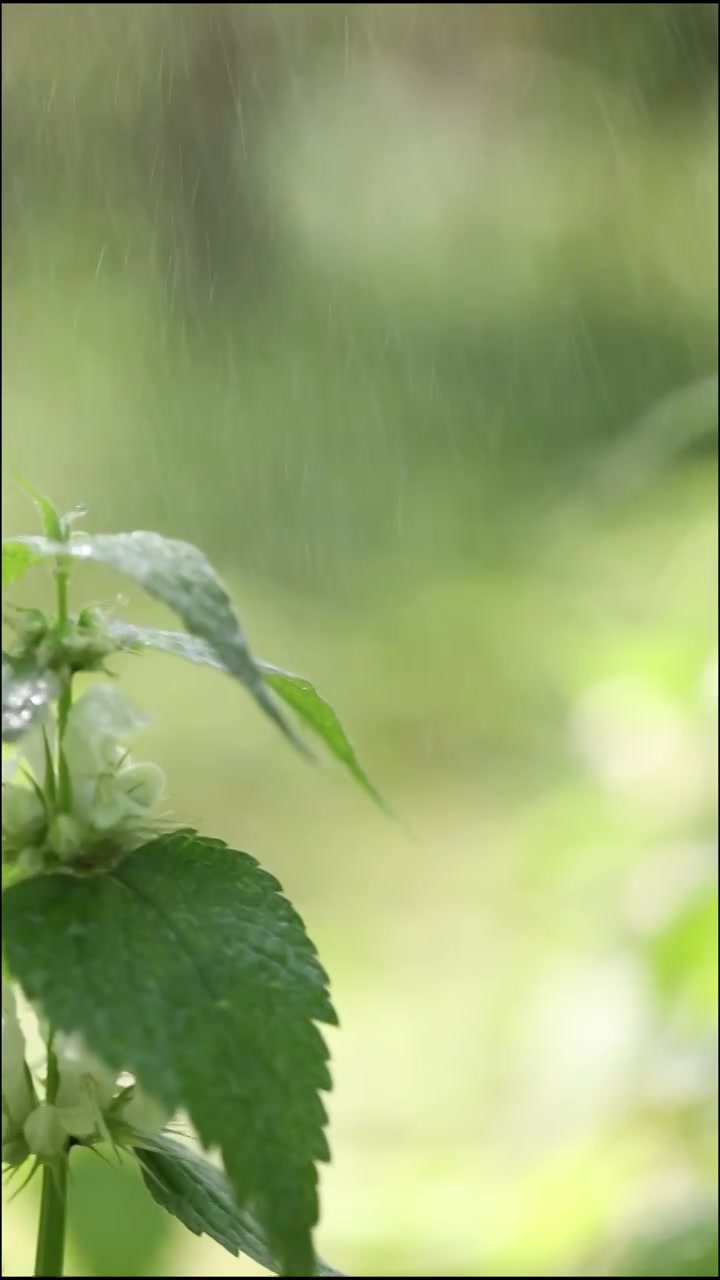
(63, 804)
(91, 1103)
(111, 800)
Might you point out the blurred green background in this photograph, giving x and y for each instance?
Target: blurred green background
(407, 315)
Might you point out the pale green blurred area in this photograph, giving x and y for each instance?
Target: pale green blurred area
(407, 316)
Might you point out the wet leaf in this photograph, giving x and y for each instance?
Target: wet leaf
(175, 643)
(309, 706)
(178, 575)
(318, 715)
(50, 516)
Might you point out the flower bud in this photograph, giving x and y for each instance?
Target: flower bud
(31, 862)
(81, 1121)
(66, 837)
(110, 806)
(44, 1132)
(82, 1075)
(23, 815)
(142, 783)
(144, 1114)
(18, 1095)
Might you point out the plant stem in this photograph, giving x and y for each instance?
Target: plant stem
(64, 782)
(52, 1084)
(62, 575)
(50, 1251)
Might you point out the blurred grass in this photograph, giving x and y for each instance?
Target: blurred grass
(447, 428)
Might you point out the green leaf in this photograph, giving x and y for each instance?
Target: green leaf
(186, 966)
(9, 875)
(199, 1195)
(312, 709)
(319, 716)
(27, 694)
(50, 516)
(175, 643)
(16, 560)
(178, 575)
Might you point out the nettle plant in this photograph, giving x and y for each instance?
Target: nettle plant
(166, 974)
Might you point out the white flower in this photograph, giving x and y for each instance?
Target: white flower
(23, 811)
(92, 1103)
(97, 723)
(44, 1133)
(24, 814)
(129, 792)
(86, 1089)
(18, 1096)
(109, 792)
(67, 837)
(30, 755)
(143, 1114)
(112, 798)
(18, 1093)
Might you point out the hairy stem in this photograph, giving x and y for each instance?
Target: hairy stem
(62, 575)
(50, 1252)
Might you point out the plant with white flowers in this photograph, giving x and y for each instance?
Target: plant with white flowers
(158, 971)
